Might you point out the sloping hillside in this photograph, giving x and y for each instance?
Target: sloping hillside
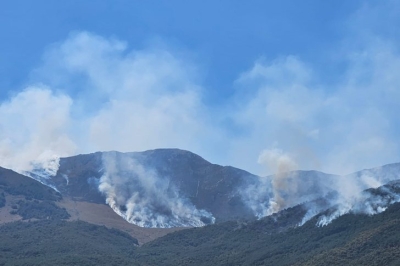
(208, 186)
(22, 198)
(349, 240)
(276, 240)
(227, 193)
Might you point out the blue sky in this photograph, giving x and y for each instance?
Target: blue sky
(255, 85)
(225, 37)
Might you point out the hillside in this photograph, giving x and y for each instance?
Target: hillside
(22, 198)
(349, 240)
(64, 243)
(166, 188)
(352, 239)
(172, 188)
(179, 178)
(156, 192)
(183, 177)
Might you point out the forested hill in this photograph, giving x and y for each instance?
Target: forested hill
(349, 240)
(54, 242)
(275, 240)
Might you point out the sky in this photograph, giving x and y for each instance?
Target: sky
(247, 84)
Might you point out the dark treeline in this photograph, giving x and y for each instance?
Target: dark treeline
(349, 240)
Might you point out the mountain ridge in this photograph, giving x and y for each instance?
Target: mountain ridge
(185, 187)
(365, 231)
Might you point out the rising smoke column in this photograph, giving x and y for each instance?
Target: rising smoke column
(325, 196)
(285, 188)
(363, 192)
(283, 183)
(143, 198)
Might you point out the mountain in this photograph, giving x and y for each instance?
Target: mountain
(352, 239)
(383, 174)
(172, 188)
(212, 193)
(204, 185)
(66, 219)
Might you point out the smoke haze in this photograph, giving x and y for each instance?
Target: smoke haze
(323, 195)
(89, 85)
(143, 198)
(93, 93)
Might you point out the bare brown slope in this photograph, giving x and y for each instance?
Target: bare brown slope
(5, 212)
(16, 187)
(101, 214)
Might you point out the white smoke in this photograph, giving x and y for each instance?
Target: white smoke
(322, 195)
(353, 196)
(100, 80)
(94, 85)
(368, 203)
(34, 132)
(143, 198)
(257, 195)
(285, 187)
(99, 95)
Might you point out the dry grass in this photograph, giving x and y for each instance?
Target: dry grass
(101, 214)
(5, 216)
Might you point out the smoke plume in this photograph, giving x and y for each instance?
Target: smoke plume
(368, 202)
(143, 198)
(282, 182)
(354, 193)
(323, 195)
(100, 95)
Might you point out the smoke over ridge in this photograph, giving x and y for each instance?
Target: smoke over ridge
(322, 195)
(368, 202)
(93, 93)
(143, 198)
